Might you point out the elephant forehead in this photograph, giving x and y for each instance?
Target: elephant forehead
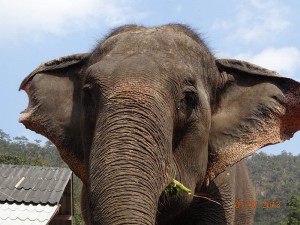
(138, 73)
(138, 90)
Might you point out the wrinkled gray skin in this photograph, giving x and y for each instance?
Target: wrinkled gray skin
(152, 104)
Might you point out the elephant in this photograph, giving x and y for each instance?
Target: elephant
(150, 105)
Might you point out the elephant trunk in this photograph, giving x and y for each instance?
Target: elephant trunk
(129, 163)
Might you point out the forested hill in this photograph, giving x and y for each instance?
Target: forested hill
(276, 178)
(19, 150)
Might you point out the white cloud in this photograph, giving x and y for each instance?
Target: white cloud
(284, 60)
(35, 17)
(255, 21)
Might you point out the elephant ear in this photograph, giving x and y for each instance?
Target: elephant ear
(56, 64)
(255, 108)
(54, 92)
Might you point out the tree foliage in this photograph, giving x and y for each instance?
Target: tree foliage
(294, 206)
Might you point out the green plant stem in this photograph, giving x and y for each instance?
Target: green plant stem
(181, 186)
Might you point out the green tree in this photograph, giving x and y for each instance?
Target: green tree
(12, 159)
(22, 160)
(4, 141)
(294, 206)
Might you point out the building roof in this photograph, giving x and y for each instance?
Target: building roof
(32, 184)
(22, 214)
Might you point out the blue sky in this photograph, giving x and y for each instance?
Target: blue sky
(261, 31)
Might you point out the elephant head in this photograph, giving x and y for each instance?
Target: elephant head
(149, 105)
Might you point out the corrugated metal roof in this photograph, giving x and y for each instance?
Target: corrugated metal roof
(21, 214)
(32, 184)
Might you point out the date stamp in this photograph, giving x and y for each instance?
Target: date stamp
(253, 204)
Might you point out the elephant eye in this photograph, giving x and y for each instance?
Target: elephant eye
(187, 105)
(87, 87)
(191, 100)
(88, 99)
(87, 91)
